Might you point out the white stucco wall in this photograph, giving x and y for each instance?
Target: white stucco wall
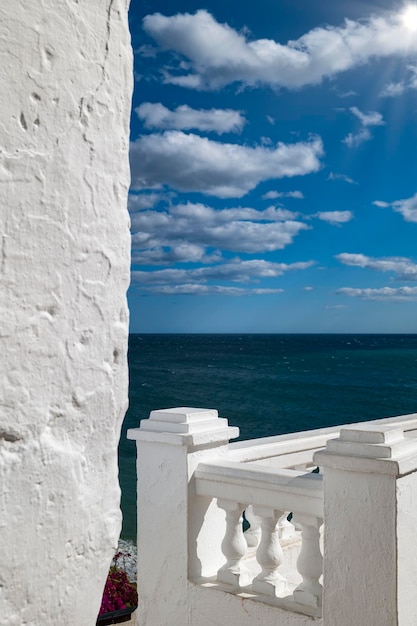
(407, 549)
(66, 76)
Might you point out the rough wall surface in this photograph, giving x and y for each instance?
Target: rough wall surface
(407, 549)
(66, 76)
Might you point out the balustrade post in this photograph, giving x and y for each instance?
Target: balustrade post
(269, 554)
(179, 533)
(234, 546)
(370, 516)
(309, 562)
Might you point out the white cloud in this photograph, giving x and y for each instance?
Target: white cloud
(347, 94)
(372, 118)
(188, 162)
(353, 140)
(383, 293)
(273, 195)
(346, 179)
(412, 83)
(392, 89)
(334, 217)
(206, 290)
(208, 215)
(236, 229)
(381, 204)
(139, 202)
(183, 252)
(405, 268)
(407, 207)
(156, 115)
(235, 271)
(219, 55)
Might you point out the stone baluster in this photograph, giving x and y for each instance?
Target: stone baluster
(253, 534)
(285, 528)
(309, 562)
(234, 546)
(269, 554)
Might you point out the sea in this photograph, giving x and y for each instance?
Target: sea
(266, 384)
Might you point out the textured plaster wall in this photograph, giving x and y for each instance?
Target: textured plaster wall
(360, 581)
(216, 608)
(407, 549)
(64, 268)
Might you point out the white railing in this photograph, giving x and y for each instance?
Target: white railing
(296, 450)
(271, 493)
(196, 566)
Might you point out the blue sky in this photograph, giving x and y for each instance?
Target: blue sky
(273, 157)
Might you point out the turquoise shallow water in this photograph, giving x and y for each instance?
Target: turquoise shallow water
(266, 384)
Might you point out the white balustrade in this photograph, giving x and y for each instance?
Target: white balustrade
(276, 563)
(269, 554)
(273, 493)
(234, 546)
(310, 562)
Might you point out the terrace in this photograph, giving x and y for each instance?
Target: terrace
(348, 493)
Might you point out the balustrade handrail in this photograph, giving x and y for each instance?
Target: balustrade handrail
(306, 441)
(280, 489)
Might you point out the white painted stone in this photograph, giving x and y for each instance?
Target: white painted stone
(370, 504)
(367, 557)
(407, 549)
(66, 76)
(179, 532)
(208, 607)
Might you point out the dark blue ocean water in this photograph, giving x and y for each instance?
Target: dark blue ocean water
(266, 384)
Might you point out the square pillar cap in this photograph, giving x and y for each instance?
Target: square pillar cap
(370, 447)
(184, 426)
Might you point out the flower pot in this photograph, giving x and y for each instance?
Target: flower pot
(115, 617)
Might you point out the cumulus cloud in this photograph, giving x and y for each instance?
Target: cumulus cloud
(353, 140)
(334, 217)
(139, 202)
(236, 271)
(236, 229)
(383, 293)
(156, 115)
(208, 290)
(346, 179)
(407, 207)
(188, 162)
(273, 195)
(405, 268)
(178, 253)
(393, 89)
(218, 55)
(372, 118)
